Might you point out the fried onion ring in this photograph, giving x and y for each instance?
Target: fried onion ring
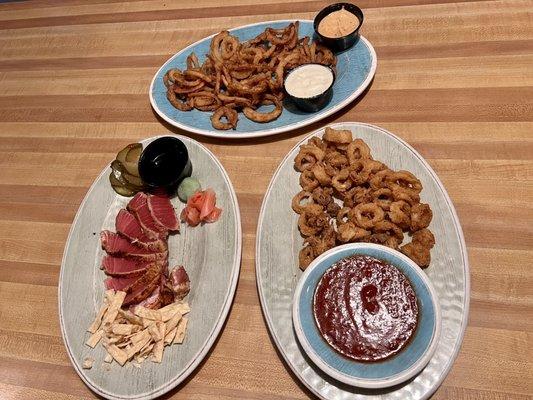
(229, 113)
(257, 116)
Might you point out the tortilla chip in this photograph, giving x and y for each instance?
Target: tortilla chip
(120, 356)
(95, 338)
(168, 312)
(124, 329)
(173, 322)
(114, 305)
(98, 319)
(155, 330)
(169, 337)
(108, 358)
(137, 346)
(180, 334)
(130, 317)
(147, 313)
(184, 308)
(157, 356)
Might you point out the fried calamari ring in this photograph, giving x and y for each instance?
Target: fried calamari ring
(307, 157)
(383, 198)
(319, 171)
(400, 194)
(335, 159)
(337, 136)
(366, 215)
(257, 116)
(356, 150)
(373, 166)
(421, 216)
(400, 213)
(225, 112)
(322, 242)
(308, 181)
(297, 205)
(315, 140)
(349, 232)
(380, 179)
(404, 180)
(341, 182)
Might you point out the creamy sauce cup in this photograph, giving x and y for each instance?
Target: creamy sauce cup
(343, 42)
(311, 103)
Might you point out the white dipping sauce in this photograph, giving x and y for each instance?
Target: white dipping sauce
(308, 81)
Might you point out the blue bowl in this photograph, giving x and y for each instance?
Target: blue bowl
(391, 371)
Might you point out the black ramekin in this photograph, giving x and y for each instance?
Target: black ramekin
(315, 103)
(344, 42)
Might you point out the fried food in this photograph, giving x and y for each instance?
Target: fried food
(349, 197)
(243, 76)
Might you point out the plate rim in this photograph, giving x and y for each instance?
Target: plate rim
(458, 228)
(367, 383)
(264, 132)
(222, 318)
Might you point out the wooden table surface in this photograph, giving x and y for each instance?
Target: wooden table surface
(454, 79)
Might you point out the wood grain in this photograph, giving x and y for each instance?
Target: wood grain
(454, 79)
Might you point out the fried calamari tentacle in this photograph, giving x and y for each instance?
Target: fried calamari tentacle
(424, 237)
(320, 173)
(305, 257)
(389, 228)
(421, 255)
(322, 196)
(358, 174)
(421, 216)
(332, 209)
(311, 223)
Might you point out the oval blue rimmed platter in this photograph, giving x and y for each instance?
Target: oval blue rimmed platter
(211, 255)
(278, 243)
(355, 69)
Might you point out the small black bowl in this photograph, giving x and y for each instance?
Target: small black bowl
(344, 42)
(315, 103)
(164, 163)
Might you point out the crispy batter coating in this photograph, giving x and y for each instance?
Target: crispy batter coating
(243, 75)
(349, 197)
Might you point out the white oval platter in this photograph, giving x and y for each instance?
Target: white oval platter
(278, 243)
(211, 255)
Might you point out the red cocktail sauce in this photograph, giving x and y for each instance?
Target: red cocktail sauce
(365, 308)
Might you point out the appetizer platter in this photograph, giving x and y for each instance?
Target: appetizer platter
(347, 187)
(234, 84)
(150, 268)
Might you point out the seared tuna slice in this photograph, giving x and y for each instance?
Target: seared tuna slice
(180, 282)
(139, 207)
(163, 212)
(128, 226)
(115, 244)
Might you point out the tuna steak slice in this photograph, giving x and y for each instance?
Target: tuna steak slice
(115, 244)
(180, 282)
(163, 213)
(128, 226)
(118, 266)
(144, 286)
(139, 207)
(122, 284)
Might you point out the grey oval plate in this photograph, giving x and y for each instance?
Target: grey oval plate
(278, 243)
(210, 253)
